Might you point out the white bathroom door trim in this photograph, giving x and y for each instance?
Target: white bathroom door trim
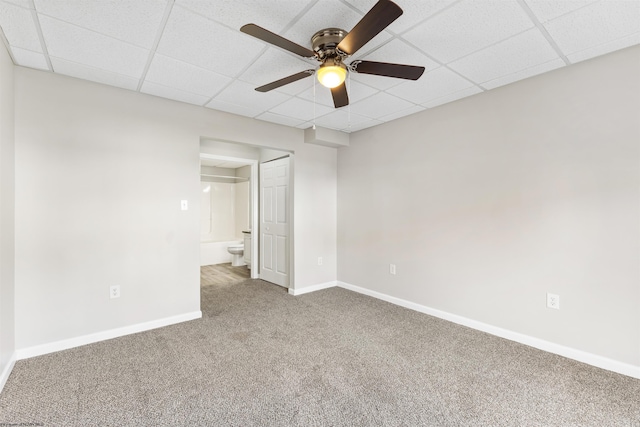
(255, 267)
(275, 221)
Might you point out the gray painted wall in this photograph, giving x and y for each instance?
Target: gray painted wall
(100, 173)
(488, 203)
(7, 204)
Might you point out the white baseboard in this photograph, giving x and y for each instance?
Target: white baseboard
(312, 288)
(38, 350)
(571, 353)
(4, 376)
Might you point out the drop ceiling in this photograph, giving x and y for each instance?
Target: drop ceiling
(192, 50)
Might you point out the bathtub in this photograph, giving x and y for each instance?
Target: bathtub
(216, 252)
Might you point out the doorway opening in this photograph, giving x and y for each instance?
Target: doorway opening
(228, 211)
(232, 208)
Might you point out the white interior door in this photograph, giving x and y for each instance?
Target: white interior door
(274, 221)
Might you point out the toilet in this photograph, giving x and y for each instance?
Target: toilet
(236, 252)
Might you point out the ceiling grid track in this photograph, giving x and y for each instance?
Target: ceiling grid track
(8, 46)
(543, 31)
(43, 44)
(262, 52)
(156, 42)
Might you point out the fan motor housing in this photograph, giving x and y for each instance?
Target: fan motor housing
(325, 41)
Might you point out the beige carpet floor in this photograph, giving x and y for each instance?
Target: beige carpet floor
(260, 357)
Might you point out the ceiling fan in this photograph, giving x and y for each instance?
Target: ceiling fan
(332, 46)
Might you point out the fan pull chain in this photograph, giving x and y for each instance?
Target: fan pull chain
(349, 106)
(314, 104)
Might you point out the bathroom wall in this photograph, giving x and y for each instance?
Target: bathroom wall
(224, 212)
(225, 204)
(218, 211)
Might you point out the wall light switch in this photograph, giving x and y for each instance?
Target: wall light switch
(392, 269)
(184, 205)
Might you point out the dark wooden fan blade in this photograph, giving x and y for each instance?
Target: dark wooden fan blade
(276, 40)
(400, 71)
(340, 96)
(377, 19)
(285, 81)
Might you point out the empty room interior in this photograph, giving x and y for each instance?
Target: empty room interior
(320, 212)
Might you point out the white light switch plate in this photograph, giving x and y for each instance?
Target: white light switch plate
(184, 205)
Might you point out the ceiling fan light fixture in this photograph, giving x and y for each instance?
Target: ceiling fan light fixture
(332, 73)
(332, 46)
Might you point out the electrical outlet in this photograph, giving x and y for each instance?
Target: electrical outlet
(392, 269)
(553, 301)
(114, 291)
(319, 260)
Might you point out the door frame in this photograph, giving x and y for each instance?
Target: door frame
(255, 260)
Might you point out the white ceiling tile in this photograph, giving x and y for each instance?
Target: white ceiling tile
(185, 77)
(477, 25)
(523, 74)
(297, 87)
(136, 22)
(379, 105)
(196, 40)
(341, 119)
(322, 94)
(507, 57)
(594, 25)
(546, 10)
(244, 94)
(399, 52)
(432, 85)
(80, 71)
(402, 113)
(272, 15)
(414, 11)
(19, 28)
(301, 109)
(240, 110)
(376, 82)
(454, 96)
(362, 125)
(329, 14)
(171, 93)
(605, 48)
(356, 91)
(22, 3)
(27, 58)
(281, 120)
(86, 47)
(274, 65)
